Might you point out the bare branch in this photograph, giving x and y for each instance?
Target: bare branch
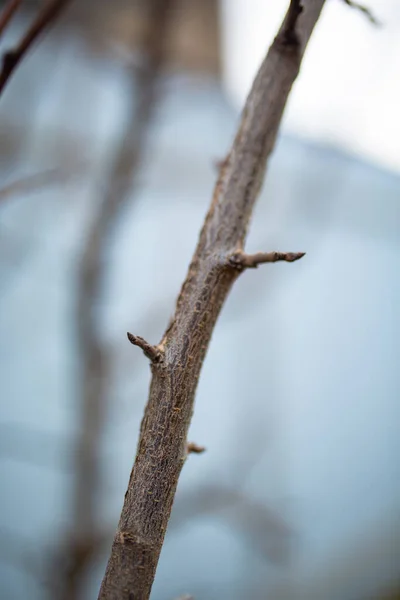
(152, 352)
(13, 57)
(365, 10)
(162, 443)
(241, 260)
(9, 10)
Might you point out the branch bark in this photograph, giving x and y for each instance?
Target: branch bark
(161, 451)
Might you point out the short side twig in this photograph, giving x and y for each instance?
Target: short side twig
(152, 352)
(241, 260)
(192, 447)
(13, 57)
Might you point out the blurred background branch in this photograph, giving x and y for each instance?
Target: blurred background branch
(94, 359)
(45, 17)
(8, 11)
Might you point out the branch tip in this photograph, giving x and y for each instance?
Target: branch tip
(193, 448)
(152, 352)
(241, 260)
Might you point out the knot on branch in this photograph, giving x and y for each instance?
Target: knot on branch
(241, 260)
(152, 352)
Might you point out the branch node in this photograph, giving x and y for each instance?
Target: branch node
(193, 448)
(152, 352)
(240, 260)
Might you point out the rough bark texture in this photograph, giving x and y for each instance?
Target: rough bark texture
(177, 360)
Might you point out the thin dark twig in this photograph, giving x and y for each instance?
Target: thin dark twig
(9, 10)
(365, 10)
(13, 57)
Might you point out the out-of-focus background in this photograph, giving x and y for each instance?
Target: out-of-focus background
(110, 135)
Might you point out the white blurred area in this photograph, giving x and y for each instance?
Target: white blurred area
(348, 91)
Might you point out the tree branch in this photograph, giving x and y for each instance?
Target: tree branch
(162, 442)
(289, 33)
(13, 57)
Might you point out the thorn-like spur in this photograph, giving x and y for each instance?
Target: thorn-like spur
(241, 260)
(192, 447)
(152, 352)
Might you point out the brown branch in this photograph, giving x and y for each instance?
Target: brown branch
(13, 57)
(9, 10)
(161, 449)
(365, 10)
(241, 260)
